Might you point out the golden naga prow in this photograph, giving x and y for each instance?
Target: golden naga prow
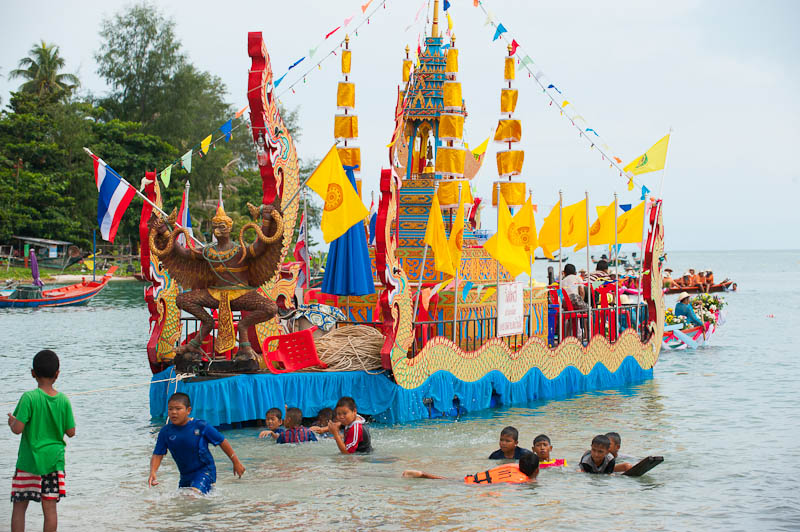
(223, 275)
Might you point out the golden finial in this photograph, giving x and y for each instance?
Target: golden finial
(346, 37)
(435, 27)
(453, 39)
(509, 49)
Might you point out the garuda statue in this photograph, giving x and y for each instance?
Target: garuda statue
(224, 275)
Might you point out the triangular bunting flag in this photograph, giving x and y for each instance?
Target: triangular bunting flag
(205, 143)
(186, 161)
(226, 129)
(645, 191)
(500, 30)
(166, 173)
(278, 81)
(525, 61)
(514, 46)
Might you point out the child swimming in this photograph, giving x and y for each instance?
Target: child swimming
(273, 420)
(598, 460)
(525, 471)
(356, 436)
(509, 450)
(187, 440)
(295, 432)
(616, 443)
(320, 425)
(542, 448)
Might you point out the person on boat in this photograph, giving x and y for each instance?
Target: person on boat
(683, 308)
(274, 422)
(572, 285)
(601, 272)
(710, 278)
(598, 460)
(616, 443)
(701, 281)
(542, 448)
(356, 436)
(667, 278)
(509, 448)
(187, 440)
(525, 471)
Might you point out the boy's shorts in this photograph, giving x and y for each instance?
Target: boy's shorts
(29, 487)
(200, 480)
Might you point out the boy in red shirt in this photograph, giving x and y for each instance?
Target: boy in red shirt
(43, 416)
(356, 436)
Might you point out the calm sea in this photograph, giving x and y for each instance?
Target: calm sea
(724, 417)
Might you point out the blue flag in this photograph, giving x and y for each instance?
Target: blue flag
(226, 129)
(500, 30)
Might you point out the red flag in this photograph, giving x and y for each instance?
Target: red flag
(514, 46)
(332, 32)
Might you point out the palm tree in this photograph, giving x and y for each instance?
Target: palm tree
(41, 72)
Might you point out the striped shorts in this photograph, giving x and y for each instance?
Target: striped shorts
(30, 487)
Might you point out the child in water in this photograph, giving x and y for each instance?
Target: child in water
(525, 471)
(509, 450)
(356, 436)
(616, 443)
(598, 460)
(187, 440)
(320, 426)
(273, 420)
(295, 432)
(542, 448)
(43, 416)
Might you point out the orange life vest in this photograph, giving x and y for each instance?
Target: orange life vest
(558, 462)
(496, 475)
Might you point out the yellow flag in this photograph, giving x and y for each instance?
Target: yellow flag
(481, 149)
(629, 225)
(652, 160)
(437, 240)
(602, 230)
(573, 220)
(456, 240)
(505, 246)
(343, 208)
(548, 236)
(523, 225)
(205, 143)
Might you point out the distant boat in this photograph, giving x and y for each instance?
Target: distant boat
(26, 296)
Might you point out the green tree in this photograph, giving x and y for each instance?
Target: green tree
(42, 72)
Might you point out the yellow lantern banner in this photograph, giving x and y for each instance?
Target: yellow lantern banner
(509, 162)
(452, 94)
(450, 161)
(451, 127)
(513, 192)
(345, 126)
(358, 187)
(508, 131)
(406, 70)
(508, 100)
(508, 70)
(452, 60)
(448, 194)
(346, 56)
(350, 157)
(346, 95)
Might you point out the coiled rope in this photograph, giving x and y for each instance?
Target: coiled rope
(351, 348)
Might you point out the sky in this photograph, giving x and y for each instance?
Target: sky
(722, 74)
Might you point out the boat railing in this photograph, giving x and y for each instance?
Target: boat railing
(575, 324)
(471, 333)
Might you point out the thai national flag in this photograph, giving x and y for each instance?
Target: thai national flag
(301, 253)
(185, 219)
(115, 196)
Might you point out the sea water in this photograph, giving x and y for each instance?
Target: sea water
(725, 418)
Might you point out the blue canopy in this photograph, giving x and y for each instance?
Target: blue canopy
(348, 271)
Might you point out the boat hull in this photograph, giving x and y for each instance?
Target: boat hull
(65, 296)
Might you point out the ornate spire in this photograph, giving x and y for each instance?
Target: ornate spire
(435, 27)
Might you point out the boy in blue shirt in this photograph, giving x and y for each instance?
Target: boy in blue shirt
(509, 450)
(187, 440)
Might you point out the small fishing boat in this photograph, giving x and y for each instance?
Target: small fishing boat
(74, 294)
(725, 286)
(676, 338)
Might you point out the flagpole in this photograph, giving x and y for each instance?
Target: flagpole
(497, 288)
(664, 171)
(530, 290)
(145, 198)
(616, 269)
(641, 266)
(455, 288)
(588, 263)
(559, 294)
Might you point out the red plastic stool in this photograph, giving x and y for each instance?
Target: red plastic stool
(295, 351)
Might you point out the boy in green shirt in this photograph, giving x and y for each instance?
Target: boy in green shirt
(43, 416)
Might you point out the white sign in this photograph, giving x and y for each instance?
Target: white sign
(510, 309)
(52, 252)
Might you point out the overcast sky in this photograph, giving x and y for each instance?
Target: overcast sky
(723, 74)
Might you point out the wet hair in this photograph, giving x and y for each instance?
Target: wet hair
(569, 269)
(45, 364)
(294, 416)
(510, 431)
(614, 436)
(542, 437)
(180, 397)
(275, 412)
(529, 464)
(602, 440)
(602, 265)
(347, 402)
(325, 415)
